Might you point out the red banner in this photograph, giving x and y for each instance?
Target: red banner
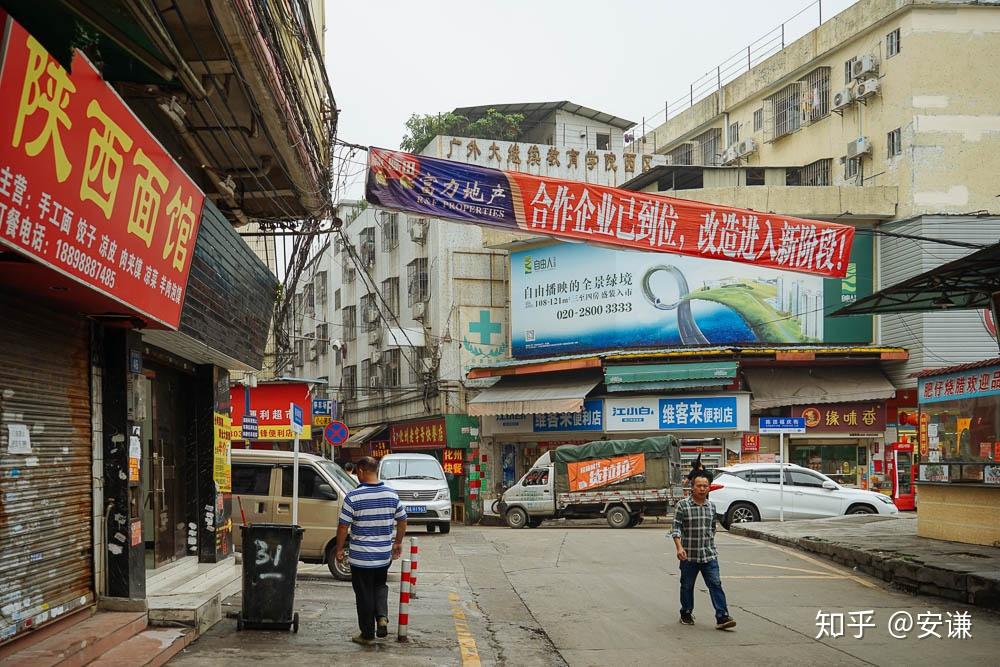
(426, 434)
(452, 461)
(270, 404)
(86, 190)
(750, 444)
(588, 475)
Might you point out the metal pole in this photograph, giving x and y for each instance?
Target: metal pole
(692, 94)
(404, 603)
(820, 3)
(782, 35)
(781, 476)
(414, 556)
(748, 50)
(666, 110)
(295, 472)
(718, 77)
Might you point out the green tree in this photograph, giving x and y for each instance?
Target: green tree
(420, 130)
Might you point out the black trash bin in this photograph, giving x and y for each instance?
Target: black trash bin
(270, 563)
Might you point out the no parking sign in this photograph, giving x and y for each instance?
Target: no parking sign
(336, 433)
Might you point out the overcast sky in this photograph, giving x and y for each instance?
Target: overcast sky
(390, 58)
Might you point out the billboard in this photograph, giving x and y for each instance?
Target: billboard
(598, 473)
(86, 190)
(602, 215)
(571, 298)
(270, 403)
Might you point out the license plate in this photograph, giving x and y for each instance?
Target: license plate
(416, 509)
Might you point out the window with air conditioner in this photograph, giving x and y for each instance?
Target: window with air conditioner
(349, 319)
(849, 70)
(391, 367)
(390, 232)
(603, 142)
(892, 43)
(349, 382)
(390, 292)
(894, 143)
(418, 284)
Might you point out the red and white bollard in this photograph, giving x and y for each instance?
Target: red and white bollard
(404, 602)
(414, 557)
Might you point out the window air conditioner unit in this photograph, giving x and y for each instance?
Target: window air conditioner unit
(867, 88)
(375, 356)
(419, 310)
(842, 99)
(374, 382)
(418, 231)
(746, 147)
(858, 147)
(863, 66)
(730, 155)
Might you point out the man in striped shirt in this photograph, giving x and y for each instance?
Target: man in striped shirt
(370, 513)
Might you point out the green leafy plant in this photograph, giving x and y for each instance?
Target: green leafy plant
(421, 129)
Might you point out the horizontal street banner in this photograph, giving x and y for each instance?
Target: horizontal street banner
(597, 214)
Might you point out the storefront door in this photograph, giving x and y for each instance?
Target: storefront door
(165, 483)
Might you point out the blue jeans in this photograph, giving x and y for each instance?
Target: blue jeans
(710, 573)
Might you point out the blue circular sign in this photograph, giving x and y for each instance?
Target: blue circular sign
(336, 433)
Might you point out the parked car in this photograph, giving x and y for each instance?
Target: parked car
(262, 484)
(422, 487)
(751, 492)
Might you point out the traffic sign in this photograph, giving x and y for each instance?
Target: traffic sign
(782, 425)
(336, 433)
(322, 406)
(296, 412)
(250, 425)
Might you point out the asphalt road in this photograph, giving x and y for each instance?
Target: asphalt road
(589, 595)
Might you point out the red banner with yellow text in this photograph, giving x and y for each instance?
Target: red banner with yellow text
(85, 188)
(589, 475)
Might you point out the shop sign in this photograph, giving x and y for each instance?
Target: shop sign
(426, 434)
(991, 474)
(750, 444)
(678, 413)
(222, 471)
(842, 417)
(86, 190)
(591, 418)
(271, 404)
(376, 449)
(588, 475)
(452, 461)
(973, 383)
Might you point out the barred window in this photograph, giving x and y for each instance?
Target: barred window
(391, 368)
(418, 286)
(417, 356)
(349, 382)
(369, 313)
(784, 108)
(390, 232)
(349, 273)
(390, 292)
(817, 93)
(349, 319)
(683, 154)
(709, 145)
(367, 243)
(817, 173)
(364, 377)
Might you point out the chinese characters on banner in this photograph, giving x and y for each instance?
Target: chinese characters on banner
(750, 444)
(842, 417)
(269, 403)
(973, 383)
(86, 189)
(452, 461)
(223, 471)
(604, 215)
(426, 434)
(588, 475)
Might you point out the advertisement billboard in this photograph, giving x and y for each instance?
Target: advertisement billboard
(570, 298)
(271, 403)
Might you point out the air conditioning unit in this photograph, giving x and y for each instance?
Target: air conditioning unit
(374, 381)
(858, 147)
(419, 310)
(863, 66)
(375, 356)
(374, 336)
(730, 155)
(842, 99)
(867, 88)
(418, 231)
(746, 147)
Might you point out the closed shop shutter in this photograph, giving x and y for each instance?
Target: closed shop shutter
(45, 484)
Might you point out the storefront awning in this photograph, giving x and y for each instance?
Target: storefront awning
(668, 377)
(363, 435)
(541, 394)
(778, 387)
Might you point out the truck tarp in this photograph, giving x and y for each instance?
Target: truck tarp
(662, 461)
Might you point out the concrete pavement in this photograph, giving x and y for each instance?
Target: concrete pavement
(590, 595)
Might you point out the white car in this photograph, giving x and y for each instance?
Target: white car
(422, 487)
(751, 492)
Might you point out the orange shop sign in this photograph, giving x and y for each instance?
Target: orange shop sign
(86, 190)
(589, 475)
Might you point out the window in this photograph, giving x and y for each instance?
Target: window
(603, 142)
(322, 343)
(349, 382)
(892, 43)
(349, 319)
(390, 292)
(848, 68)
(709, 146)
(251, 480)
(784, 107)
(390, 232)
(410, 469)
(417, 356)
(734, 134)
(367, 243)
(364, 377)
(793, 176)
(817, 173)
(418, 286)
(309, 482)
(369, 313)
(319, 281)
(349, 273)
(766, 477)
(755, 176)
(758, 119)
(852, 167)
(800, 478)
(817, 94)
(336, 299)
(894, 143)
(391, 372)
(309, 299)
(300, 352)
(537, 478)
(683, 154)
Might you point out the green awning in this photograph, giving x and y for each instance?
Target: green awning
(670, 377)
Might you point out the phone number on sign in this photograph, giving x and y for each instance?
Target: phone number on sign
(77, 259)
(591, 311)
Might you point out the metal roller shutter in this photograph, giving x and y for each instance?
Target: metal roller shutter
(45, 494)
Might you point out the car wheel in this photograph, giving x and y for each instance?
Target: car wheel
(445, 528)
(516, 517)
(618, 517)
(741, 513)
(861, 509)
(430, 528)
(341, 570)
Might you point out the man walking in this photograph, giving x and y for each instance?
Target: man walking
(694, 537)
(370, 513)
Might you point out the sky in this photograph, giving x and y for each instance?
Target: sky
(388, 59)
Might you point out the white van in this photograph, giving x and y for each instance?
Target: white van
(422, 488)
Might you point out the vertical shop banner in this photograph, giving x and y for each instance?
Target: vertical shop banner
(452, 461)
(589, 475)
(85, 189)
(222, 459)
(571, 298)
(603, 215)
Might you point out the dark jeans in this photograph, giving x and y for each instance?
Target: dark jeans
(710, 573)
(371, 595)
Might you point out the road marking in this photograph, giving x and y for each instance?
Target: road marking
(782, 567)
(808, 559)
(786, 576)
(466, 642)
